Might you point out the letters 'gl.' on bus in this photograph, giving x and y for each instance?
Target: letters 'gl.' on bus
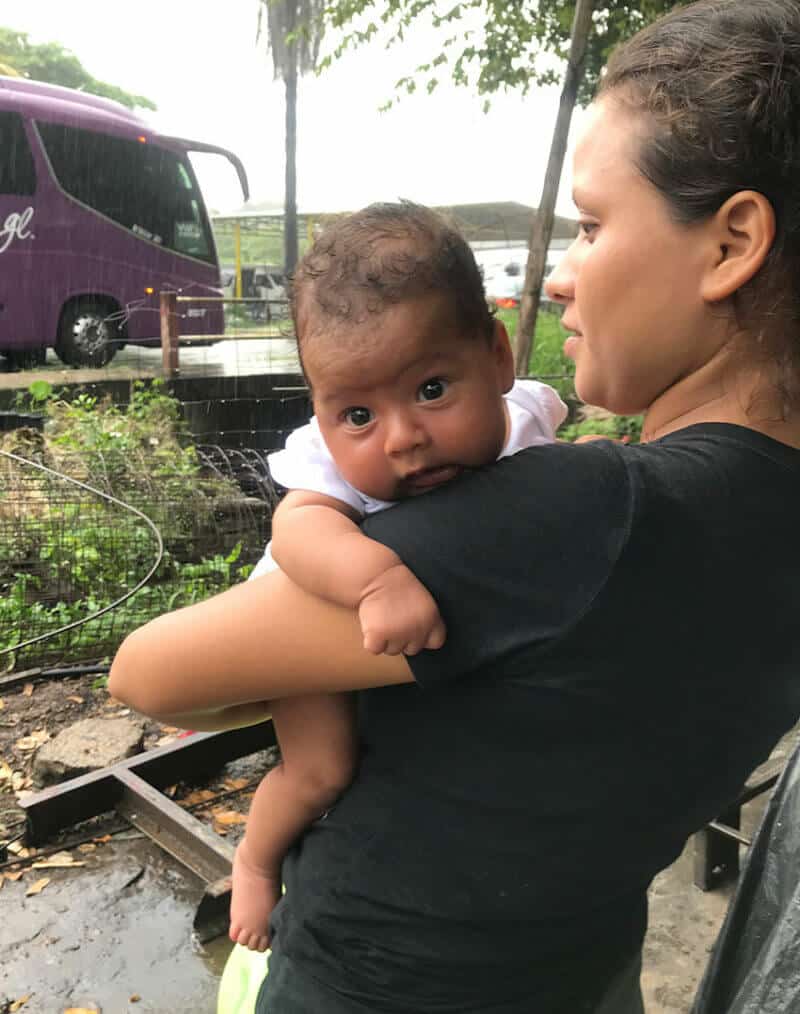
(98, 214)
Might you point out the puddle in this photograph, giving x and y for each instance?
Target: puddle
(97, 936)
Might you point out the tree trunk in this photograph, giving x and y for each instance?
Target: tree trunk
(542, 226)
(290, 252)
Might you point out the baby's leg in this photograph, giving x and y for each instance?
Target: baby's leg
(317, 737)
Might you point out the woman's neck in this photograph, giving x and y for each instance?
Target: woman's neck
(727, 390)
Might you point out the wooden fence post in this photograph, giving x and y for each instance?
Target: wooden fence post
(168, 305)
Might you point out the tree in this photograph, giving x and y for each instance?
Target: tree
(508, 50)
(52, 63)
(294, 33)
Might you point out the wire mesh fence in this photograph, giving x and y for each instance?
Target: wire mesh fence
(96, 540)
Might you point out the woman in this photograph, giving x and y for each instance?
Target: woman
(622, 642)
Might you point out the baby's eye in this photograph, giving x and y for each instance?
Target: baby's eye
(588, 228)
(432, 389)
(357, 416)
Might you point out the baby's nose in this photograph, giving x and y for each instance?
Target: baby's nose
(403, 433)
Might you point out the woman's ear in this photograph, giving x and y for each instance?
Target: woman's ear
(743, 231)
(504, 356)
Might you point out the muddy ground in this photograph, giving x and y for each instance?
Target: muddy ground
(110, 930)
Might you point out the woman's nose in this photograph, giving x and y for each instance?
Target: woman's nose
(559, 286)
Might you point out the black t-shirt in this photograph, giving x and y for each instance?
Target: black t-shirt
(623, 648)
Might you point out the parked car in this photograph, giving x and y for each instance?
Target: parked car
(504, 283)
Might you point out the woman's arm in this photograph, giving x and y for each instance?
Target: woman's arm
(261, 640)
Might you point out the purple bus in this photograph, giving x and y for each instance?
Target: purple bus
(98, 214)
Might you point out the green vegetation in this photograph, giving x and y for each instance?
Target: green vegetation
(66, 553)
(50, 62)
(548, 362)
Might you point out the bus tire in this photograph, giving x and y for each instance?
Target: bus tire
(86, 337)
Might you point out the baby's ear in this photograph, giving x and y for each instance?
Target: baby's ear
(504, 356)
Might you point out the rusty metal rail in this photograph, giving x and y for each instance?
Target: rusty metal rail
(716, 846)
(131, 788)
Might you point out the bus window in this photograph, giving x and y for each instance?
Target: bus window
(143, 187)
(17, 173)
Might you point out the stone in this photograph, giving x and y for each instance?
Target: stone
(88, 745)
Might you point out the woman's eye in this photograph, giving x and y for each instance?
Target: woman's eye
(358, 416)
(588, 228)
(432, 389)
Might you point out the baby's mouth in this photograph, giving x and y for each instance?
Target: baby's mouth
(428, 478)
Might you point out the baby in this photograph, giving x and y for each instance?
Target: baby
(412, 381)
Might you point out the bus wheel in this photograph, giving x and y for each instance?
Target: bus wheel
(87, 336)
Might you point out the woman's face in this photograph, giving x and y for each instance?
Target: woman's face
(631, 281)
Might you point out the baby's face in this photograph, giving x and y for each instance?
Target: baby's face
(405, 402)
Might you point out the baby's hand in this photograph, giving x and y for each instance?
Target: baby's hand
(398, 615)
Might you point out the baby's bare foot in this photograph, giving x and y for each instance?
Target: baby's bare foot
(254, 894)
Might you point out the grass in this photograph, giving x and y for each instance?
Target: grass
(547, 361)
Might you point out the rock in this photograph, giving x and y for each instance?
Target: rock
(88, 745)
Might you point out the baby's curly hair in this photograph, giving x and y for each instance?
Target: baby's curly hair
(380, 256)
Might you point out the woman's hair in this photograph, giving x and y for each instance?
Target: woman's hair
(719, 84)
(380, 256)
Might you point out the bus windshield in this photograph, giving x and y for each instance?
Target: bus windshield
(146, 188)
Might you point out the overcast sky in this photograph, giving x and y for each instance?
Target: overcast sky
(199, 62)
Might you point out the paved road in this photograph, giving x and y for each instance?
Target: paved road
(228, 358)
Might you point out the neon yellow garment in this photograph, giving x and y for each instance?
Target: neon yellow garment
(241, 980)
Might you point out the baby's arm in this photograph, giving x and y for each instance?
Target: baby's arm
(317, 737)
(317, 542)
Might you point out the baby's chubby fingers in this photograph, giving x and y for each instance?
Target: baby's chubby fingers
(436, 636)
(375, 643)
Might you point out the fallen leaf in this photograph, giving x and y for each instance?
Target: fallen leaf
(2, 703)
(17, 849)
(235, 783)
(134, 998)
(75, 700)
(227, 818)
(198, 796)
(58, 861)
(34, 741)
(102, 839)
(164, 740)
(2, 880)
(87, 847)
(16, 1004)
(18, 780)
(170, 728)
(5, 772)
(27, 690)
(13, 876)
(81, 1010)
(38, 887)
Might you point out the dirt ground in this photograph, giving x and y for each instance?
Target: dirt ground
(110, 928)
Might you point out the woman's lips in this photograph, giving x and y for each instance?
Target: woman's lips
(571, 345)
